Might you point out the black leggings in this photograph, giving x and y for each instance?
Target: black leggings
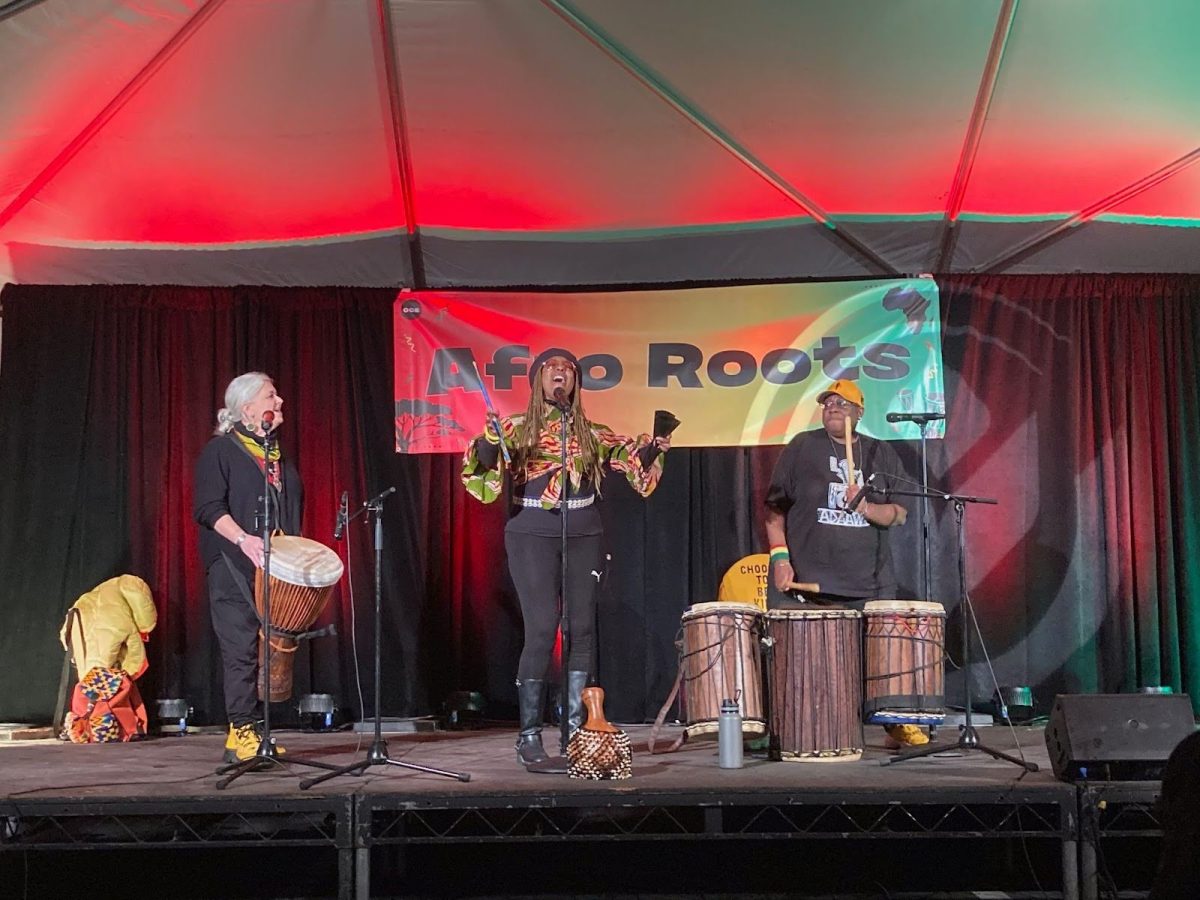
(534, 562)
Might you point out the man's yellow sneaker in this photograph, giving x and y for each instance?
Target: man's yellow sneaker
(904, 736)
(242, 742)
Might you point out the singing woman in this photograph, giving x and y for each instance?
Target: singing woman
(533, 535)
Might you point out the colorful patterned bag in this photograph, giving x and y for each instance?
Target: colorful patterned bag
(105, 707)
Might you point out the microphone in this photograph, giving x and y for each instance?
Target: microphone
(343, 511)
(268, 420)
(560, 399)
(918, 417)
(858, 498)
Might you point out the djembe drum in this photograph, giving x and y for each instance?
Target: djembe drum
(904, 650)
(721, 660)
(816, 684)
(303, 574)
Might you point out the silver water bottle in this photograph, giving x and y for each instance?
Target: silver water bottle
(729, 736)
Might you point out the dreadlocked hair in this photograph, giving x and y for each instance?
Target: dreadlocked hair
(530, 429)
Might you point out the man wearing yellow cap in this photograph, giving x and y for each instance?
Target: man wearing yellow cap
(820, 530)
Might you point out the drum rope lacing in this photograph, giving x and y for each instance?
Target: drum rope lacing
(911, 639)
(727, 631)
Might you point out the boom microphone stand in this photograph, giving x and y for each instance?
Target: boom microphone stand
(968, 737)
(378, 754)
(266, 756)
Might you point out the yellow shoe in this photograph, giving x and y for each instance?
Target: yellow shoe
(904, 736)
(242, 742)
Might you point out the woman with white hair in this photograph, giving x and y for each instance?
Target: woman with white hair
(227, 492)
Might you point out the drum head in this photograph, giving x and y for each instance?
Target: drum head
(829, 613)
(298, 560)
(700, 610)
(921, 607)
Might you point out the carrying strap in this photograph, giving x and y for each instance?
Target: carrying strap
(275, 493)
(328, 631)
(868, 460)
(275, 630)
(244, 588)
(74, 621)
(661, 717)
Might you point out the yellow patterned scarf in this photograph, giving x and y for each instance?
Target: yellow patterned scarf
(255, 449)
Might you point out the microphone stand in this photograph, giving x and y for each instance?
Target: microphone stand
(925, 587)
(926, 590)
(378, 754)
(968, 737)
(560, 765)
(266, 756)
(923, 420)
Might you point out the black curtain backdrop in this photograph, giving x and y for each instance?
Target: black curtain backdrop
(1073, 400)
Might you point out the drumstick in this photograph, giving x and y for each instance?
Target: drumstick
(807, 587)
(493, 416)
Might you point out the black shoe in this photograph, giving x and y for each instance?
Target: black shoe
(530, 749)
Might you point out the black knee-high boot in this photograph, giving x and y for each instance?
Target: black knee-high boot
(531, 694)
(576, 682)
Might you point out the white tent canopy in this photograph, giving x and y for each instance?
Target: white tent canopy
(557, 142)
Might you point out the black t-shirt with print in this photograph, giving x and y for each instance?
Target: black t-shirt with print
(837, 549)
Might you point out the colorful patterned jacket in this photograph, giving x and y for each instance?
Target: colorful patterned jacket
(619, 453)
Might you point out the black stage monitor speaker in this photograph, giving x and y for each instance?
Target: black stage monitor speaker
(1116, 737)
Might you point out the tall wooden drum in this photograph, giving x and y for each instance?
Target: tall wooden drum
(816, 684)
(722, 660)
(905, 672)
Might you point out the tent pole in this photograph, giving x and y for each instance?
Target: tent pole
(102, 118)
(1037, 242)
(966, 157)
(400, 148)
(15, 6)
(697, 117)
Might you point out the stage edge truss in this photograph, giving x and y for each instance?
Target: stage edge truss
(1079, 818)
(1110, 812)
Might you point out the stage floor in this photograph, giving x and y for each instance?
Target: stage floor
(183, 767)
(162, 794)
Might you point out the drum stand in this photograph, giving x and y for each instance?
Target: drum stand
(266, 755)
(378, 754)
(968, 737)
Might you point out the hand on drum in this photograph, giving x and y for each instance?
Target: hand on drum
(782, 573)
(252, 546)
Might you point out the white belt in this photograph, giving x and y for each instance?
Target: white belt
(572, 502)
